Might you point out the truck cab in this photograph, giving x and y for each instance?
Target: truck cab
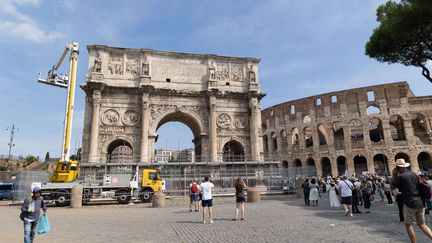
(65, 171)
(150, 183)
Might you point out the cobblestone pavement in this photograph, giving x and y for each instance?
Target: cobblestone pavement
(275, 219)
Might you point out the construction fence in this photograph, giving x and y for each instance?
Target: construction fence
(177, 178)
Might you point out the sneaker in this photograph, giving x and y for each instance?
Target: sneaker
(234, 219)
(203, 222)
(351, 214)
(211, 221)
(196, 210)
(346, 213)
(190, 210)
(242, 219)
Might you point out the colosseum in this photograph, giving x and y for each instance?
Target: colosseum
(359, 130)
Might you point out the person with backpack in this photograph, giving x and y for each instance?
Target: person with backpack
(194, 190)
(410, 188)
(30, 214)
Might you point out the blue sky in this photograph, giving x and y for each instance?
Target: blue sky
(306, 47)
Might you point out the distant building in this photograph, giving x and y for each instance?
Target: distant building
(187, 155)
(163, 155)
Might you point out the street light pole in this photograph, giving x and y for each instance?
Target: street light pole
(11, 144)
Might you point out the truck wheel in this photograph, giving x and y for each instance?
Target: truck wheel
(62, 198)
(146, 196)
(123, 196)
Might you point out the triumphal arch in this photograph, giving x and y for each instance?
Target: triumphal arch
(130, 93)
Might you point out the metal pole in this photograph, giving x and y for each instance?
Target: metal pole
(11, 144)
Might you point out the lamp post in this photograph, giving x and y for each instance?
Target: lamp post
(11, 143)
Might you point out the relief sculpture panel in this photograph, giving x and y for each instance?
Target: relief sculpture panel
(240, 121)
(115, 64)
(223, 120)
(110, 117)
(130, 118)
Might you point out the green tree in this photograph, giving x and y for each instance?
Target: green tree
(404, 35)
(76, 156)
(30, 159)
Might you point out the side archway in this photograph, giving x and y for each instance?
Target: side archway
(119, 151)
(233, 151)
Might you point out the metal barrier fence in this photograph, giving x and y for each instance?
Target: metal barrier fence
(178, 177)
(23, 181)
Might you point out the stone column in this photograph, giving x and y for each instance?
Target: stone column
(94, 135)
(255, 123)
(144, 156)
(213, 129)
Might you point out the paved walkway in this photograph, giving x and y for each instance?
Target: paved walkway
(275, 219)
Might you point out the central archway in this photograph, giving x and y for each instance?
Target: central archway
(192, 122)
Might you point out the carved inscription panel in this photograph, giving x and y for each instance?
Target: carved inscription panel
(188, 70)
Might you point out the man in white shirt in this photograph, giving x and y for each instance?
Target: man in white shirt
(345, 187)
(207, 200)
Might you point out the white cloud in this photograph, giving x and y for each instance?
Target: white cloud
(21, 26)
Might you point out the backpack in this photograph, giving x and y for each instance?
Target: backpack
(424, 188)
(194, 188)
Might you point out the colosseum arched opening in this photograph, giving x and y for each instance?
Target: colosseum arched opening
(397, 128)
(360, 164)
(424, 161)
(285, 168)
(308, 137)
(402, 155)
(356, 132)
(376, 131)
(326, 167)
(338, 136)
(265, 143)
(322, 134)
(295, 139)
(381, 165)
(311, 167)
(341, 165)
(298, 166)
(420, 128)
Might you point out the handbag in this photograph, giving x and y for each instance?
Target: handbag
(43, 225)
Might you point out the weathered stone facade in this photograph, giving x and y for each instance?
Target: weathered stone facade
(130, 93)
(363, 129)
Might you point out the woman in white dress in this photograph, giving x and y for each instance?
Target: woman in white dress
(313, 192)
(334, 201)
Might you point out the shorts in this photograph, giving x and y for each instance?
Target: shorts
(346, 200)
(207, 203)
(193, 197)
(414, 215)
(240, 199)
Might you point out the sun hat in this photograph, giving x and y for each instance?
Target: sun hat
(401, 163)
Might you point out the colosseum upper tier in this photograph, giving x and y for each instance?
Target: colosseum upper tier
(359, 130)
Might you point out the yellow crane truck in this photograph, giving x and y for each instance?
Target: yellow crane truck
(119, 186)
(115, 186)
